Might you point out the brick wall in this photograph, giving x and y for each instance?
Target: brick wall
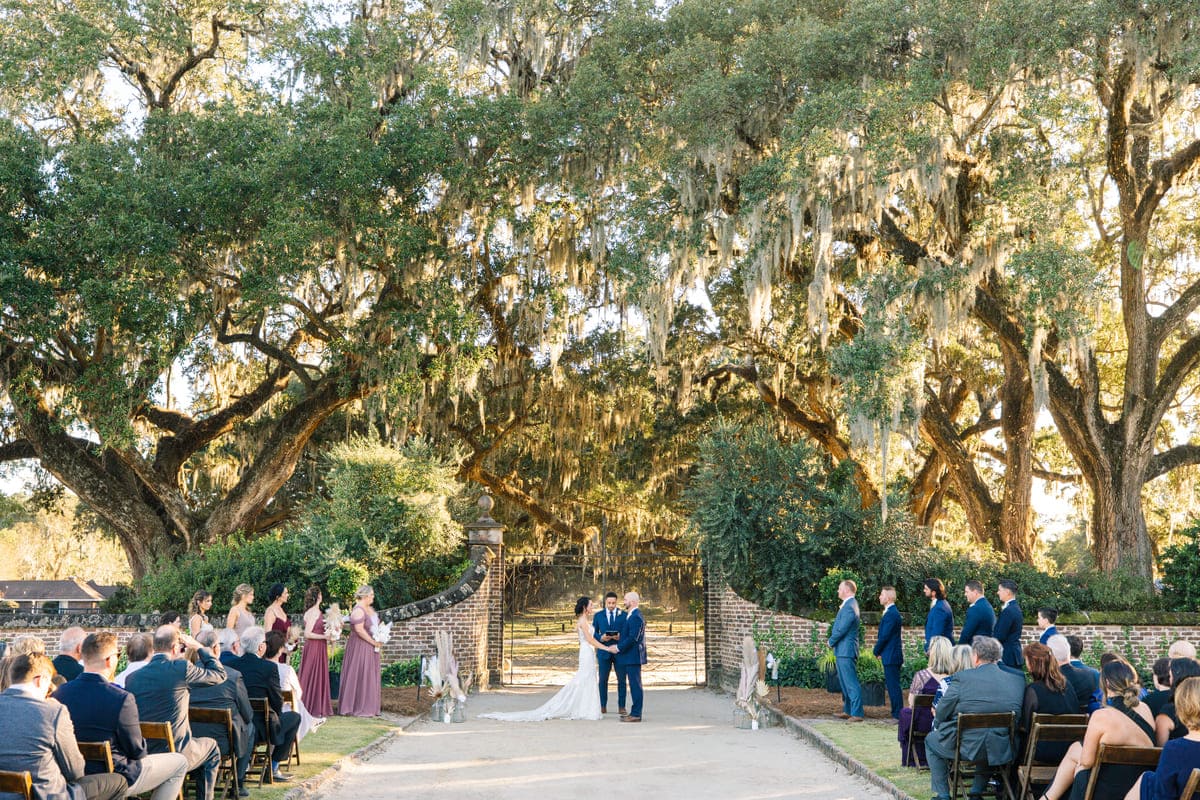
(728, 618)
(470, 610)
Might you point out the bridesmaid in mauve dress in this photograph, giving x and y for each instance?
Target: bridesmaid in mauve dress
(276, 619)
(314, 658)
(361, 690)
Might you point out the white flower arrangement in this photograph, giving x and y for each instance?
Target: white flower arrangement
(334, 622)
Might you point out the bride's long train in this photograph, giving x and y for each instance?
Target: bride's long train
(579, 699)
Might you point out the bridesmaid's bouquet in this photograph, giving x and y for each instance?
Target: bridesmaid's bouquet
(382, 634)
(333, 622)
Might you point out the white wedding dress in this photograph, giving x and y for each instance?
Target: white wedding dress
(579, 699)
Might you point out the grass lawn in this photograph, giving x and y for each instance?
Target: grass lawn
(338, 737)
(875, 745)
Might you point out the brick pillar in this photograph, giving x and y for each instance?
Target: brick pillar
(485, 539)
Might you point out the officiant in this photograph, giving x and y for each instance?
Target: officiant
(606, 627)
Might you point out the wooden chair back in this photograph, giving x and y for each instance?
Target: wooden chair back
(1059, 719)
(98, 751)
(161, 731)
(1032, 772)
(18, 783)
(919, 701)
(222, 717)
(1125, 756)
(962, 770)
(1189, 789)
(262, 746)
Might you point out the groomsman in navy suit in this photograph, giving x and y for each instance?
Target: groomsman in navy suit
(889, 648)
(981, 619)
(843, 639)
(940, 621)
(1009, 625)
(606, 627)
(1046, 619)
(631, 654)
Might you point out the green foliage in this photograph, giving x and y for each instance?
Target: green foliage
(774, 517)
(402, 673)
(344, 579)
(335, 659)
(1180, 566)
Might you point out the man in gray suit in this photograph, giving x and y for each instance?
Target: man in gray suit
(162, 689)
(39, 738)
(986, 689)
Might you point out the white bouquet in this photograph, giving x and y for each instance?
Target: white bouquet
(383, 632)
(333, 622)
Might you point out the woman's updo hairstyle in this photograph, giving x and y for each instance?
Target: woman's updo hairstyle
(581, 605)
(1121, 681)
(275, 592)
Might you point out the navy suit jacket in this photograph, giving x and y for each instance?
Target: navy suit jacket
(600, 627)
(940, 622)
(1046, 634)
(980, 621)
(843, 636)
(102, 712)
(1008, 631)
(632, 644)
(888, 646)
(68, 667)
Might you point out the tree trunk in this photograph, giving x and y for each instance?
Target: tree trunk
(1017, 421)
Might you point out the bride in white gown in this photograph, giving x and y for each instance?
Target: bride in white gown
(579, 699)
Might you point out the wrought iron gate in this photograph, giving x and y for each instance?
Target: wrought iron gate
(540, 591)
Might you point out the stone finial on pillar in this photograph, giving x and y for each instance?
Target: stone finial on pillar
(485, 531)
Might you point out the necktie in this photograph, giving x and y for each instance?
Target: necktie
(610, 618)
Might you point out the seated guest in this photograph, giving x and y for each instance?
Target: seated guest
(1049, 693)
(1076, 644)
(925, 681)
(985, 689)
(102, 712)
(230, 695)
(66, 663)
(1045, 622)
(23, 645)
(262, 680)
(288, 679)
(1161, 672)
(162, 690)
(1181, 648)
(1084, 680)
(1179, 756)
(137, 654)
(171, 618)
(961, 657)
(1124, 721)
(40, 739)
(1167, 724)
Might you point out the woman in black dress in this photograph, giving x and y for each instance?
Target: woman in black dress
(1048, 694)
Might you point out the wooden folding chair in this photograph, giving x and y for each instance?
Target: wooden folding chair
(18, 783)
(1032, 772)
(223, 718)
(1189, 789)
(1126, 756)
(920, 701)
(962, 772)
(163, 732)
(289, 698)
(98, 751)
(261, 706)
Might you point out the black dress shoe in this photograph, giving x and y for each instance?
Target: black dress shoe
(243, 792)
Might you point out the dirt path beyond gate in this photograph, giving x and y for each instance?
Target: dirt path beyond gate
(686, 747)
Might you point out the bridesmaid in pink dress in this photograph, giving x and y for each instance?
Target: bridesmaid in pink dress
(362, 688)
(314, 658)
(276, 619)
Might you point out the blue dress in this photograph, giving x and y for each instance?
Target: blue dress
(1179, 757)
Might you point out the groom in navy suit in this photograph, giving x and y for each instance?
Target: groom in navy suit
(606, 627)
(631, 654)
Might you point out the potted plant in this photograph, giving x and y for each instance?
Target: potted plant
(827, 663)
(335, 672)
(870, 675)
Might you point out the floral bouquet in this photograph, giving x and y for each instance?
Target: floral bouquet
(333, 622)
(382, 634)
(295, 635)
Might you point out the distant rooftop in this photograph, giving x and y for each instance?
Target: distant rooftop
(71, 590)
